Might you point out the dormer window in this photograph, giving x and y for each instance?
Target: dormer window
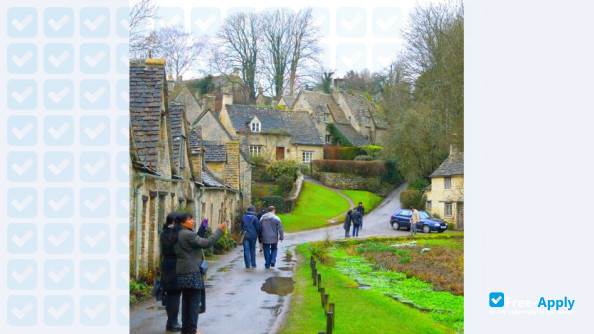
(326, 118)
(255, 125)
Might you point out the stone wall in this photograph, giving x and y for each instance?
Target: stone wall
(349, 181)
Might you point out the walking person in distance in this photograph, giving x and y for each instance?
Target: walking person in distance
(250, 226)
(357, 220)
(272, 232)
(347, 224)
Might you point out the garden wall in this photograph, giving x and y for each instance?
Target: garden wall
(349, 181)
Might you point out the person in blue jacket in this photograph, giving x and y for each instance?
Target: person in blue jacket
(250, 225)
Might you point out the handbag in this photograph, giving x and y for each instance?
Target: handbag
(203, 267)
(242, 233)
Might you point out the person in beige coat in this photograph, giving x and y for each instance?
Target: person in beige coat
(414, 219)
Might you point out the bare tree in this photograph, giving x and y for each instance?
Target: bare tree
(277, 31)
(141, 12)
(304, 44)
(239, 40)
(179, 48)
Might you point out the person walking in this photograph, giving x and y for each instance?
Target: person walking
(414, 219)
(189, 252)
(250, 226)
(168, 239)
(262, 212)
(347, 224)
(272, 232)
(361, 210)
(357, 219)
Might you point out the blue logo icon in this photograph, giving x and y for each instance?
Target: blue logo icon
(496, 299)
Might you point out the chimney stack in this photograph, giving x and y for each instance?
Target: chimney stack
(453, 149)
(209, 102)
(260, 96)
(338, 83)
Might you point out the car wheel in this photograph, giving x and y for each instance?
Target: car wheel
(396, 226)
(426, 229)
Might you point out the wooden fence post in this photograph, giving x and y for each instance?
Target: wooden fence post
(315, 276)
(322, 292)
(329, 320)
(331, 309)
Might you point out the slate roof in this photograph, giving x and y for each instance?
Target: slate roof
(176, 115)
(289, 100)
(361, 107)
(319, 102)
(351, 134)
(146, 95)
(453, 165)
(300, 125)
(196, 140)
(209, 180)
(214, 151)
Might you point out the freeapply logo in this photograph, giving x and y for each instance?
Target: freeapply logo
(515, 306)
(496, 299)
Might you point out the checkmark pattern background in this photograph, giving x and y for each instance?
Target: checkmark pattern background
(64, 167)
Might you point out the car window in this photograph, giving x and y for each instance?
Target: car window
(423, 215)
(406, 213)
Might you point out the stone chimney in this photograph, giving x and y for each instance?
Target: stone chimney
(338, 83)
(223, 115)
(231, 169)
(453, 149)
(260, 96)
(209, 102)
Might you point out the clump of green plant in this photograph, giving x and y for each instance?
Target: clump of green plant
(404, 260)
(414, 198)
(319, 251)
(283, 167)
(419, 184)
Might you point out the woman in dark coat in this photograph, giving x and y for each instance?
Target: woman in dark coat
(168, 273)
(188, 250)
(347, 224)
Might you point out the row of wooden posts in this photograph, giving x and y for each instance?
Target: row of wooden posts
(328, 307)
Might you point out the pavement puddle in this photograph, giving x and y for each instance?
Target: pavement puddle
(224, 269)
(280, 286)
(285, 268)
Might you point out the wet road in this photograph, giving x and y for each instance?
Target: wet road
(256, 300)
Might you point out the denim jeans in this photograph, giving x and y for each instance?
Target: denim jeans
(172, 307)
(356, 230)
(190, 304)
(249, 252)
(413, 228)
(346, 233)
(270, 254)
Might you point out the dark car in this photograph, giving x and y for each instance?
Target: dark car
(401, 219)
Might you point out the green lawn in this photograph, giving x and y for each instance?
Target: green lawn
(357, 311)
(314, 207)
(370, 200)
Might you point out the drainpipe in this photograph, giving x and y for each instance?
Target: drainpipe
(138, 199)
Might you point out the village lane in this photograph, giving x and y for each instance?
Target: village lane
(235, 300)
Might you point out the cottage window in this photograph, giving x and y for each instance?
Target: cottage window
(447, 183)
(307, 156)
(428, 205)
(327, 139)
(448, 209)
(326, 118)
(256, 127)
(255, 150)
(182, 149)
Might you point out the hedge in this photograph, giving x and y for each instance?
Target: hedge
(282, 205)
(365, 168)
(414, 198)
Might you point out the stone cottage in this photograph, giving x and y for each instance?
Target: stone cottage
(445, 195)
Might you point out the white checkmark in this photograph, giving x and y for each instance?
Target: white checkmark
(60, 59)
(59, 240)
(58, 97)
(93, 169)
(58, 133)
(95, 240)
(21, 313)
(56, 278)
(350, 25)
(59, 168)
(22, 276)
(318, 22)
(93, 313)
(22, 168)
(171, 21)
(58, 25)
(20, 206)
(125, 204)
(20, 25)
(125, 168)
(95, 276)
(20, 97)
(20, 61)
(495, 301)
(20, 241)
(59, 204)
(94, 205)
(203, 25)
(93, 25)
(22, 132)
(58, 313)
(349, 61)
(125, 240)
(93, 133)
(93, 97)
(125, 24)
(385, 25)
(93, 61)
(125, 96)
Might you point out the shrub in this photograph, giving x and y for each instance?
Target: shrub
(283, 167)
(363, 158)
(418, 184)
(364, 168)
(415, 198)
(342, 152)
(318, 251)
(404, 260)
(282, 205)
(285, 183)
(372, 150)
(260, 174)
(258, 160)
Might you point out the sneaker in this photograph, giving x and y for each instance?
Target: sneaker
(272, 264)
(176, 328)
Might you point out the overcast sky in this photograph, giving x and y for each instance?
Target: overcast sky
(354, 34)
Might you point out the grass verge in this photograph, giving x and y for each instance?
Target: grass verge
(370, 200)
(357, 310)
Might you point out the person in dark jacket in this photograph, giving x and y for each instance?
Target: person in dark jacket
(168, 273)
(188, 250)
(347, 224)
(357, 220)
(262, 212)
(250, 225)
(361, 210)
(272, 232)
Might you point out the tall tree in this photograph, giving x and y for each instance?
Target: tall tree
(304, 44)
(141, 12)
(277, 34)
(179, 48)
(325, 84)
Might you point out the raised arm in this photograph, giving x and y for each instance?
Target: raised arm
(194, 241)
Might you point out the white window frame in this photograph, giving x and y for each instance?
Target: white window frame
(447, 183)
(308, 155)
(445, 209)
(256, 127)
(256, 150)
(326, 118)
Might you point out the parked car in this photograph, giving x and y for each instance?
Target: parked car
(401, 219)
